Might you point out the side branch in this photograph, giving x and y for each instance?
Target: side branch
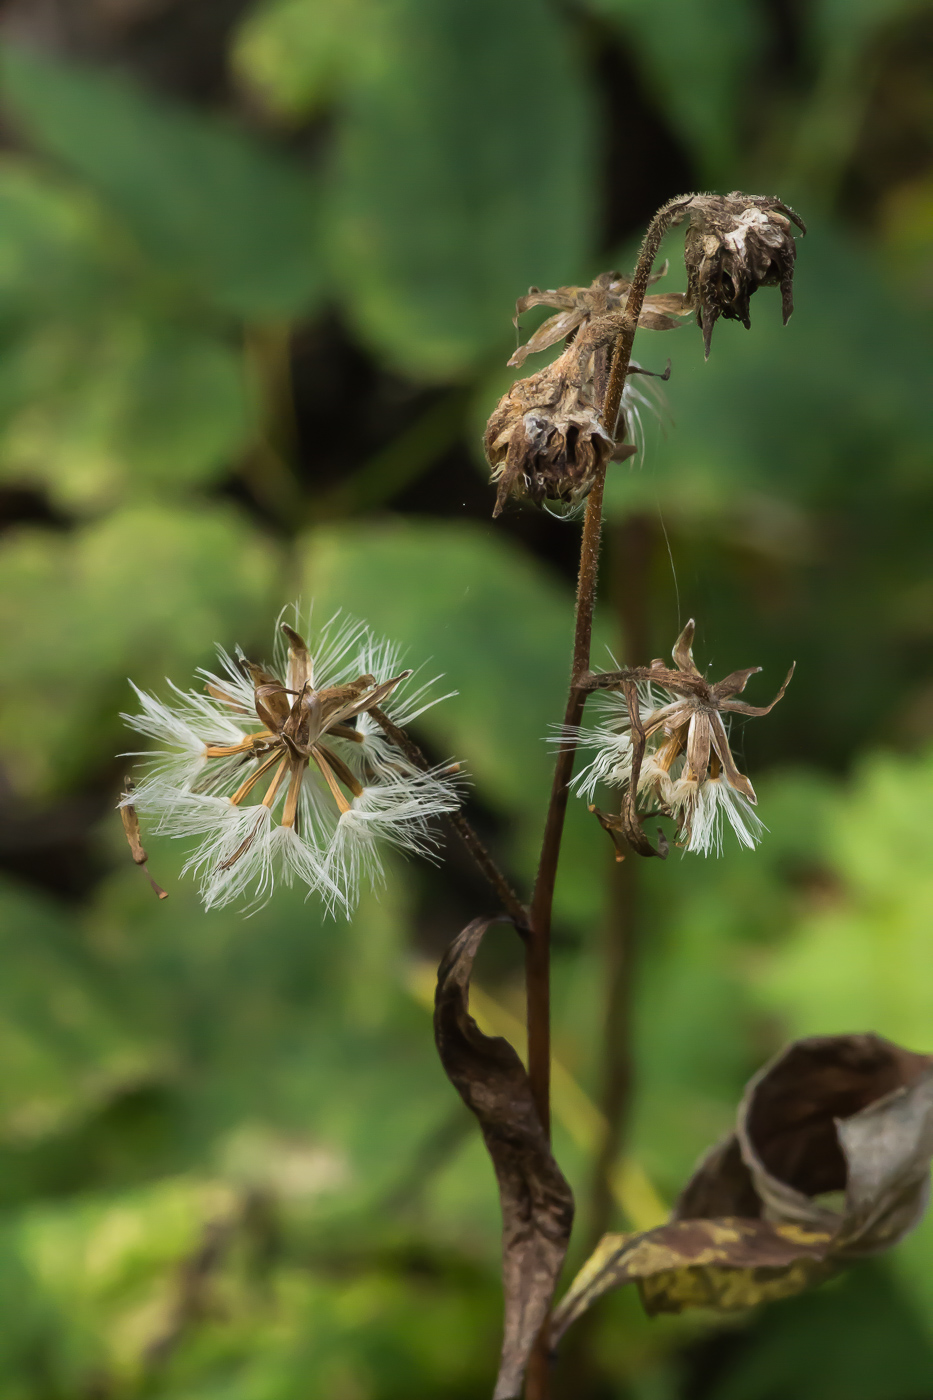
(507, 896)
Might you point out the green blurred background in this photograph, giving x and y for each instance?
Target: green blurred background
(257, 269)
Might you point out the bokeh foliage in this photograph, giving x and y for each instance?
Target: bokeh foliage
(229, 1163)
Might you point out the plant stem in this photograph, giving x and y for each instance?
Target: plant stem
(632, 548)
(509, 899)
(622, 350)
(537, 948)
(538, 944)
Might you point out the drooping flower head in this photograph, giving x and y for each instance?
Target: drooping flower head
(735, 244)
(687, 769)
(286, 772)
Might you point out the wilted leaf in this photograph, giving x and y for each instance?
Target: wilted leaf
(537, 1205)
(829, 1114)
(842, 1113)
(726, 1264)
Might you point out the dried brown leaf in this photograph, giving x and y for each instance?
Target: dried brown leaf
(725, 1263)
(849, 1113)
(844, 1113)
(537, 1204)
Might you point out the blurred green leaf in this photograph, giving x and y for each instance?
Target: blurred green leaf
(144, 588)
(94, 412)
(103, 392)
(296, 55)
(464, 171)
(209, 204)
(852, 959)
(858, 1340)
(64, 1048)
(56, 250)
(699, 58)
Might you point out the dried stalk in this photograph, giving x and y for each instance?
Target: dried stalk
(507, 896)
(538, 945)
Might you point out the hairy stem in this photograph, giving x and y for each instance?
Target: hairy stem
(622, 350)
(631, 551)
(538, 944)
(507, 896)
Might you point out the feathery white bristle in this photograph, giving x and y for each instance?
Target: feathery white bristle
(243, 848)
(706, 806)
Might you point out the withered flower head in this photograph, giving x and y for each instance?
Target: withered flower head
(735, 244)
(286, 772)
(576, 306)
(687, 770)
(545, 439)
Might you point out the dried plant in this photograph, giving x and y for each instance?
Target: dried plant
(305, 739)
(578, 306)
(736, 244)
(686, 769)
(301, 769)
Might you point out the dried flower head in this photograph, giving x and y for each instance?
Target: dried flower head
(735, 244)
(286, 772)
(686, 769)
(577, 306)
(545, 439)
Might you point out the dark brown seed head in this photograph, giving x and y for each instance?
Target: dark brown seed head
(545, 439)
(735, 244)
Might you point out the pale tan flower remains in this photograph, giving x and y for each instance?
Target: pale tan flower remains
(577, 306)
(546, 439)
(687, 769)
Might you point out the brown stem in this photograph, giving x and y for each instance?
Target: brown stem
(509, 899)
(537, 947)
(632, 548)
(622, 350)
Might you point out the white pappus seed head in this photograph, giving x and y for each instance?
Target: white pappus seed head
(295, 773)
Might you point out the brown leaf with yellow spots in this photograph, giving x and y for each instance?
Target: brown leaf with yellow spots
(829, 1162)
(726, 1264)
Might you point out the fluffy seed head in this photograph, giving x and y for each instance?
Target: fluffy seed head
(684, 762)
(285, 773)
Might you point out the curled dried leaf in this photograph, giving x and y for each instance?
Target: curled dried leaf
(537, 1203)
(725, 1264)
(849, 1114)
(842, 1113)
